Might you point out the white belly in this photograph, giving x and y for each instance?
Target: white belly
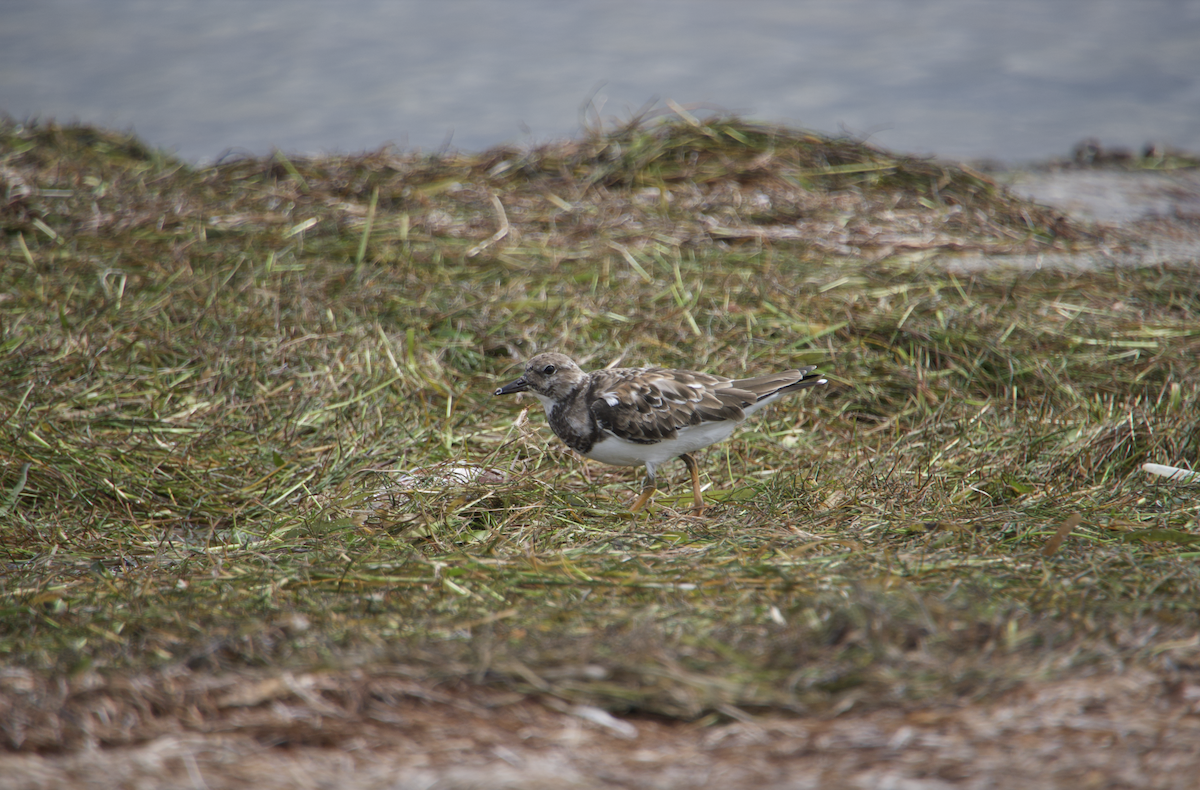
(618, 452)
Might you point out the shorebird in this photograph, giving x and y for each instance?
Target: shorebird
(647, 416)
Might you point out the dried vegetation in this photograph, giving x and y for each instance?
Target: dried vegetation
(245, 422)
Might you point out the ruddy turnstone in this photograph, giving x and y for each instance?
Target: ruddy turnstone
(647, 416)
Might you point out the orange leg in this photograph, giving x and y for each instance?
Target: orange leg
(642, 499)
(647, 492)
(696, 497)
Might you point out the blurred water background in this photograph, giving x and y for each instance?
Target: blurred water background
(1007, 80)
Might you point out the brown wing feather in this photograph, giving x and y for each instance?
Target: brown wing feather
(765, 386)
(648, 405)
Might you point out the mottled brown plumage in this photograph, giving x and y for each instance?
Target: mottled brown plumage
(646, 416)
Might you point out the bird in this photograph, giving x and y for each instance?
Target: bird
(648, 416)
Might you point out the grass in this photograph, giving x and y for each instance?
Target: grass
(233, 400)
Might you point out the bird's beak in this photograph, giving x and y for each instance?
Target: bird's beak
(520, 385)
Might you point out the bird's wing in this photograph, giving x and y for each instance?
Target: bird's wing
(784, 381)
(647, 405)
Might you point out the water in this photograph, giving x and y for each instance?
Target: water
(1011, 80)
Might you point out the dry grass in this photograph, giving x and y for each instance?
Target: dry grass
(231, 398)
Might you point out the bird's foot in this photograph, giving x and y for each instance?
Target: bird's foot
(642, 499)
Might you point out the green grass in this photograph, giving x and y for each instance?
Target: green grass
(229, 395)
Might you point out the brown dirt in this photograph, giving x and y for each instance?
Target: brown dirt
(381, 728)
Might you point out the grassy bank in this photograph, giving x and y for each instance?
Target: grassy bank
(233, 400)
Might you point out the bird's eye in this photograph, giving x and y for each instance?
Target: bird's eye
(548, 370)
